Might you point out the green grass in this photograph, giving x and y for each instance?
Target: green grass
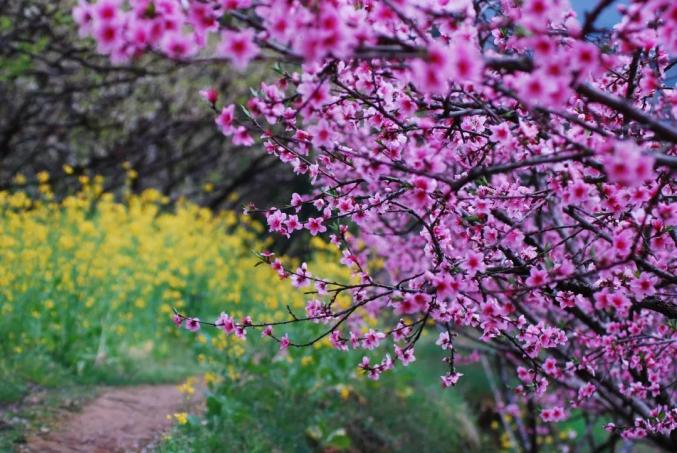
(24, 372)
(263, 415)
(270, 409)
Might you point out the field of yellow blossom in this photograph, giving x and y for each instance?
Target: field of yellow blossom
(90, 281)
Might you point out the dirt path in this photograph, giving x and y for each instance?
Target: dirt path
(120, 419)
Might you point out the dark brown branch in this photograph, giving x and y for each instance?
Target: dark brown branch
(665, 131)
(668, 309)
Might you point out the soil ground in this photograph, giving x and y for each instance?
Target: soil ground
(119, 419)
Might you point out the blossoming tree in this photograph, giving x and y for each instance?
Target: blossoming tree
(509, 163)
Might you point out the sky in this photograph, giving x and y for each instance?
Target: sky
(609, 16)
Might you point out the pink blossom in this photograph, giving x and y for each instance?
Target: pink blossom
(337, 342)
(321, 288)
(474, 263)
(667, 213)
(622, 243)
(412, 303)
(276, 220)
(241, 137)
(321, 133)
(406, 106)
(500, 133)
(445, 285)
(450, 379)
(301, 278)
(225, 119)
(602, 300)
(106, 10)
(354, 340)
(536, 89)
(619, 302)
(555, 414)
(296, 201)
(444, 341)
(292, 224)
(525, 375)
(226, 323)
(372, 339)
(644, 285)
(550, 366)
(108, 36)
(586, 391)
(628, 166)
(401, 331)
(193, 324)
(211, 96)
(585, 56)
(315, 225)
(238, 47)
(284, 342)
(177, 46)
(236, 4)
(279, 23)
(578, 192)
(314, 308)
(345, 205)
(405, 355)
(387, 363)
(537, 277)
(466, 63)
(428, 78)
(83, 15)
(177, 320)
(315, 95)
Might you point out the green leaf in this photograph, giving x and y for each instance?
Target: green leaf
(214, 406)
(12, 68)
(246, 111)
(193, 420)
(314, 432)
(549, 264)
(338, 439)
(472, 219)
(5, 23)
(522, 32)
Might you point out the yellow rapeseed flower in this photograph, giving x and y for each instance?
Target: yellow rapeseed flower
(344, 391)
(187, 387)
(181, 418)
(119, 266)
(43, 177)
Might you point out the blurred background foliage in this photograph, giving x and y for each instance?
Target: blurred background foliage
(63, 104)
